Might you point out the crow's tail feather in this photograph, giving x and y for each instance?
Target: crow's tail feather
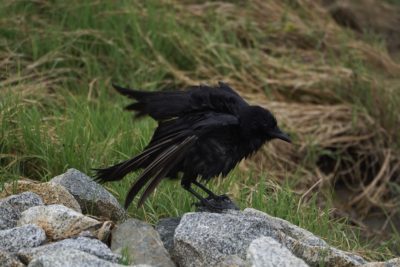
(110, 174)
(118, 171)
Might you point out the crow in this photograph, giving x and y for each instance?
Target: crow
(202, 132)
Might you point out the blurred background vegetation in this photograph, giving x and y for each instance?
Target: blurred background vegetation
(328, 69)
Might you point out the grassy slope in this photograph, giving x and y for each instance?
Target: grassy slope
(57, 109)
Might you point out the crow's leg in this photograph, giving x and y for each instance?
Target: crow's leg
(205, 189)
(194, 193)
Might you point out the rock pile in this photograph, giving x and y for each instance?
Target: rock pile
(73, 221)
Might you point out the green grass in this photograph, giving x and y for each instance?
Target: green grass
(58, 111)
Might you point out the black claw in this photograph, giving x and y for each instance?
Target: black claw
(216, 204)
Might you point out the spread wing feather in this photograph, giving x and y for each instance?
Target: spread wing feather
(169, 104)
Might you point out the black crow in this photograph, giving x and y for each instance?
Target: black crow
(202, 132)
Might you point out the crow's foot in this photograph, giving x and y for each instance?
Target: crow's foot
(216, 204)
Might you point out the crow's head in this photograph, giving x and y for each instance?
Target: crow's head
(266, 125)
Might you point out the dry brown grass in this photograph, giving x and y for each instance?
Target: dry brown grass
(354, 152)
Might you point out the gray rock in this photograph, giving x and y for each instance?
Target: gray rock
(70, 258)
(92, 197)
(17, 238)
(50, 193)
(8, 216)
(58, 221)
(267, 252)
(289, 229)
(166, 229)
(23, 201)
(306, 245)
(12, 206)
(390, 263)
(88, 245)
(203, 239)
(320, 255)
(141, 242)
(231, 261)
(9, 260)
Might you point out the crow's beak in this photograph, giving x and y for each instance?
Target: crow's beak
(277, 133)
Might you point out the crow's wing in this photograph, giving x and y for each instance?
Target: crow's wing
(166, 105)
(183, 135)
